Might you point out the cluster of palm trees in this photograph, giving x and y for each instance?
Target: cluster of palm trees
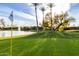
(50, 5)
(2, 22)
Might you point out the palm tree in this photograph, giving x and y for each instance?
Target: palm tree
(50, 5)
(2, 22)
(35, 5)
(42, 9)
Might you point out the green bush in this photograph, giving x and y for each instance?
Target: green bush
(61, 28)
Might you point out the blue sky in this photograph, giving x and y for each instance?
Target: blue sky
(24, 13)
(19, 9)
(74, 11)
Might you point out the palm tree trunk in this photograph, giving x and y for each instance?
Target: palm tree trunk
(51, 20)
(43, 19)
(43, 16)
(36, 17)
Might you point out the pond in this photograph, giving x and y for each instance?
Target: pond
(14, 33)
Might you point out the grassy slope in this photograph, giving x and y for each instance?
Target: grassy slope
(43, 44)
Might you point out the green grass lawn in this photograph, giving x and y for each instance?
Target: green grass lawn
(43, 44)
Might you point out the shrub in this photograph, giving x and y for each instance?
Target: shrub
(61, 28)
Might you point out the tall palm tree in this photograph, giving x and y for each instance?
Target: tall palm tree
(35, 5)
(2, 22)
(50, 5)
(42, 9)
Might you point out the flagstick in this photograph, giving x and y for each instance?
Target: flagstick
(11, 19)
(11, 40)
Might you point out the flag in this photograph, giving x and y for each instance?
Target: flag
(11, 16)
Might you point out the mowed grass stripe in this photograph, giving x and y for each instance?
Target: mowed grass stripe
(39, 43)
(56, 44)
(4, 47)
(22, 44)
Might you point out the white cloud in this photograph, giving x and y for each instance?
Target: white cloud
(24, 15)
(58, 8)
(6, 12)
(16, 22)
(76, 16)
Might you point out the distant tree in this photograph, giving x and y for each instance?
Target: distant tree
(63, 20)
(2, 22)
(43, 9)
(35, 5)
(71, 19)
(60, 21)
(50, 5)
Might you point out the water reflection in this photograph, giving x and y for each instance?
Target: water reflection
(15, 33)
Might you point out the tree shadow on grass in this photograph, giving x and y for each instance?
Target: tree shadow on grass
(49, 35)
